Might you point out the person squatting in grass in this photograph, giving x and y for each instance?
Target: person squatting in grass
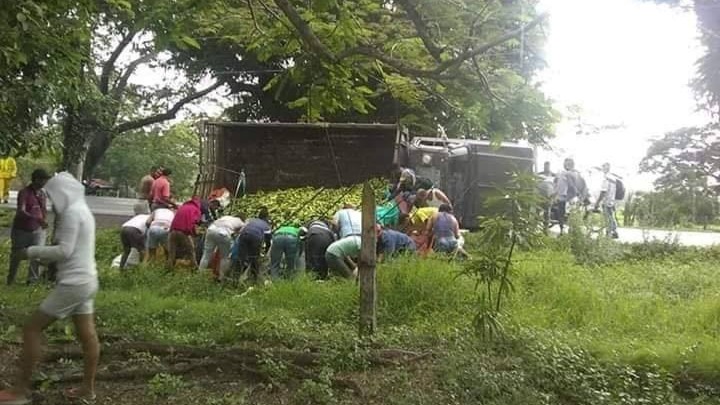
(341, 256)
(73, 295)
(29, 225)
(391, 243)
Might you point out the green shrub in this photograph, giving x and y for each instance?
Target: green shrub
(165, 385)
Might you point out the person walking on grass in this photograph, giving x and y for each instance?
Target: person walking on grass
(607, 199)
(132, 236)
(183, 231)
(73, 295)
(29, 225)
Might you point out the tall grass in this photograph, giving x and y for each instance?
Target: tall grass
(664, 311)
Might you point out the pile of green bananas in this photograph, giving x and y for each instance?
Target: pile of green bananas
(301, 205)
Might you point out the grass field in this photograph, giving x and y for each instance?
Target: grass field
(639, 331)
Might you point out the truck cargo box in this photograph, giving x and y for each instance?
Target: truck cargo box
(285, 155)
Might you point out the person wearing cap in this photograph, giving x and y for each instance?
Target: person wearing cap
(29, 225)
(285, 245)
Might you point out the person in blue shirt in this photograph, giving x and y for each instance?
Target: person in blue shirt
(249, 244)
(391, 243)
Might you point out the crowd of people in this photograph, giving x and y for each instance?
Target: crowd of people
(417, 218)
(569, 186)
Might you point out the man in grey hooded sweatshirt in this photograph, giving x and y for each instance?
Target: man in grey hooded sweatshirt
(74, 293)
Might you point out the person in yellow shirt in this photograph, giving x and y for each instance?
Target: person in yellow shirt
(8, 172)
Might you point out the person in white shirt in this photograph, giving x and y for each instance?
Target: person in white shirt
(132, 236)
(348, 221)
(158, 230)
(607, 199)
(74, 293)
(220, 236)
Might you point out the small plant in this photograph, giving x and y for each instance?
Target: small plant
(589, 246)
(275, 369)
(165, 385)
(318, 392)
(518, 223)
(229, 399)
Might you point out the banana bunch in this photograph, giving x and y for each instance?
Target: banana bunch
(301, 205)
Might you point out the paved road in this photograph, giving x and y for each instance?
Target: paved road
(121, 207)
(634, 235)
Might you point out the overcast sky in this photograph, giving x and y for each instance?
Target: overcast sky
(623, 62)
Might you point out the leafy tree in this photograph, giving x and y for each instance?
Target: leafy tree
(667, 208)
(707, 80)
(685, 159)
(467, 67)
(41, 54)
(131, 156)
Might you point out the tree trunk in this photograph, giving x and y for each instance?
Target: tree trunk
(98, 145)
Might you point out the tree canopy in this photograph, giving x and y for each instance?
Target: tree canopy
(688, 158)
(466, 66)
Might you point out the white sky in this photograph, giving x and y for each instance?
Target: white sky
(623, 62)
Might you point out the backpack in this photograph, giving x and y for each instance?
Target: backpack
(619, 190)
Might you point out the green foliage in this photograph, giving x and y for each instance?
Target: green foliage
(672, 208)
(319, 392)
(43, 45)
(131, 157)
(589, 244)
(301, 205)
(163, 386)
(518, 224)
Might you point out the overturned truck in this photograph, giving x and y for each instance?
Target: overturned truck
(251, 157)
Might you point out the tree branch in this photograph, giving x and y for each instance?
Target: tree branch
(254, 18)
(167, 115)
(129, 70)
(109, 65)
(421, 29)
(303, 29)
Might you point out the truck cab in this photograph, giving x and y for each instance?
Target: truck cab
(468, 170)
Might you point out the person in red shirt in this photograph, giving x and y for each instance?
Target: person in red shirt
(182, 231)
(160, 191)
(29, 224)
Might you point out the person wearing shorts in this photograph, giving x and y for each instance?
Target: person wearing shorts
(158, 230)
(73, 295)
(132, 236)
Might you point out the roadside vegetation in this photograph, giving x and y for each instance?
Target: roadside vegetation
(639, 329)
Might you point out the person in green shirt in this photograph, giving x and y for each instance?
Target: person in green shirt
(285, 244)
(340, 256)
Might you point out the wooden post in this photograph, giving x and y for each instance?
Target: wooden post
(366, 265)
